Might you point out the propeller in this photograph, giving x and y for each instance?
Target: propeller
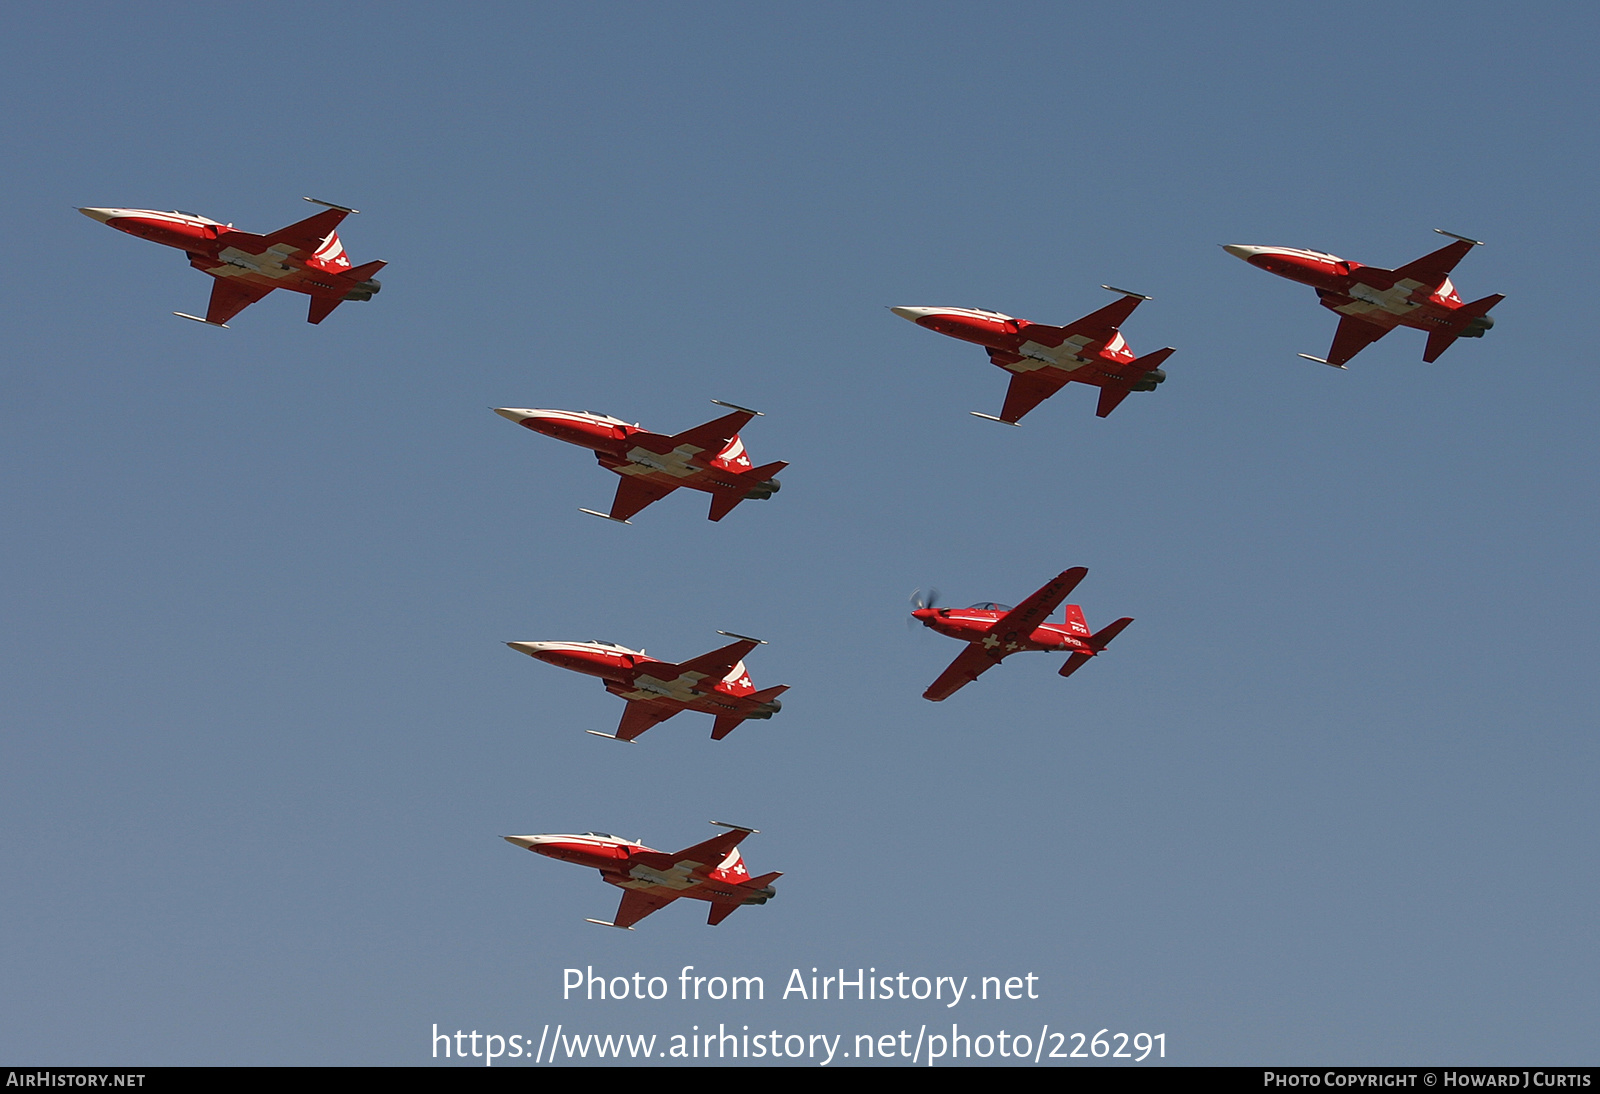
(920, 601)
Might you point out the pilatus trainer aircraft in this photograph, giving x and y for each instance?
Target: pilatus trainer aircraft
(1043, 359)
(1372, 301)
(709, 457)
(305, 257)
(650, 880)
(996, 631)
(715, 683)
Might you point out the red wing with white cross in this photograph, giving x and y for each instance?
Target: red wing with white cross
(994, 632)
(306, 257)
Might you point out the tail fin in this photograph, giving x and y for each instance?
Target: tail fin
(1076, 623)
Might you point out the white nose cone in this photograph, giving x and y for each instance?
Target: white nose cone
(512, 414)
(532, 649)
(913, 314)
(103, 215)
(1240, 250)
(531, 843)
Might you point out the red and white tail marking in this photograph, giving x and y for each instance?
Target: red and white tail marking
(1076, 623)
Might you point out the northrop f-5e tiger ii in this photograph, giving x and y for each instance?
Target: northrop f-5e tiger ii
(709, 457)
(304, 257)
(1043, 359)
(713, 871)
(715, 683)
(1372, 301)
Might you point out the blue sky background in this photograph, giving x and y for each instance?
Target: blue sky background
(1331, 799)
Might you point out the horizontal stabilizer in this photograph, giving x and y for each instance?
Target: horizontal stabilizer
(363, 273)
(719, 912)
(322, 307)
(722, 505)
(1110, 398)
(726, 724)
(1075, 662)
(1102, 638)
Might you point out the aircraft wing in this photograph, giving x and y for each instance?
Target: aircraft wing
(634, 494)
(969, 664)
(636, 905)
(642, 714)
(229, 298)
(1028, 390)
(719, 662)
(1037, 608)
(1353, 336)
(713, 436)
(1101, 325)
(1432, 269)
(711, 853)
(307, 234)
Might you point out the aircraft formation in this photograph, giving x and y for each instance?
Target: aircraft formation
(308, 257)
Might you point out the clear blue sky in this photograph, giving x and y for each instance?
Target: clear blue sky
(1331, 798)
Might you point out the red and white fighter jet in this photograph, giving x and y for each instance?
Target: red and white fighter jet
(995, 631)
(714, 683)
(1044, 359)
(305, 257)
(1372, 301)
(650, 880)
(709, 457)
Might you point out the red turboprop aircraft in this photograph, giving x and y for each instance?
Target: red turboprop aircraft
(305, 257)
(650, 880)
(995, 631)
(1372, 301)
(709, 457)
(1042, 359)
(715, 683)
